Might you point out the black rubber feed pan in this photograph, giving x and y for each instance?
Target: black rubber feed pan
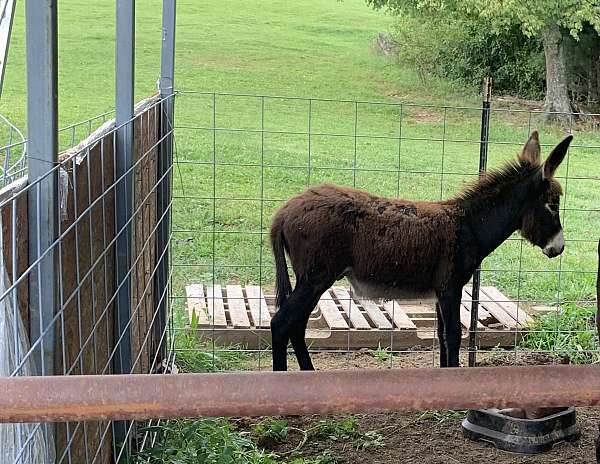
(517, 435)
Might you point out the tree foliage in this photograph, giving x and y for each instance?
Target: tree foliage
(467, 51)
(556, 24)
(531, 16)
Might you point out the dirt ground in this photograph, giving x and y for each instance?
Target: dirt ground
(427, 438)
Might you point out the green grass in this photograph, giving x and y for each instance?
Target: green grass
(218, 441)
(251, 172)
(568, 336)
(316, 48)
(210, 441)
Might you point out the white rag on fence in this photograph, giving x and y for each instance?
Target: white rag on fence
(19, 443)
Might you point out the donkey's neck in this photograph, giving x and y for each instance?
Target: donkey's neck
(497, 213)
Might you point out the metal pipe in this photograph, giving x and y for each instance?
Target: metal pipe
(124, 103)
(163, 192)
(124, 191)
(83, 398)
(6, 20)
(483, 150)
(42, 151)
(42, 148)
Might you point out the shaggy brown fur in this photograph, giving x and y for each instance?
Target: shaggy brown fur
(389, 248)
(341, 227)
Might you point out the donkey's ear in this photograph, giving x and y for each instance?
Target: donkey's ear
(531, 150)
(556, 157)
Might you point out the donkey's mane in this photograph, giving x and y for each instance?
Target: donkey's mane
(493, 182)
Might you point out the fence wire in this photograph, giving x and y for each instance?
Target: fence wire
(240, 156)
(81, 335)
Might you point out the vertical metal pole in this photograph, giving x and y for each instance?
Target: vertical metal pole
(483, 151)
(166, 88)
(7, 14)
(124, 104)
(42, 148)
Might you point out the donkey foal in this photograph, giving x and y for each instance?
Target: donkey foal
(391, 248)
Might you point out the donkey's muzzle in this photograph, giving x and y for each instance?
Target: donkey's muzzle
(555, 246)
(552, 253)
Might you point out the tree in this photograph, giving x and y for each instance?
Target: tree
(545, 19)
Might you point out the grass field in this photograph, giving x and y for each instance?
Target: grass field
(238, 157)
(250, 153)
(256, 152)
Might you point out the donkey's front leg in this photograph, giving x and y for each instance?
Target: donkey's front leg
(441, 336)
(449, 302)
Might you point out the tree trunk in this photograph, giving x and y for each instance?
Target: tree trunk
(557, 95)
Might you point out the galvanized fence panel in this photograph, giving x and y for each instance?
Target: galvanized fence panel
(240, 156)
(83, 321)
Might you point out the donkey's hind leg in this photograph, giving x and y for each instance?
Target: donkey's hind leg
(289, 323)
(298, 332)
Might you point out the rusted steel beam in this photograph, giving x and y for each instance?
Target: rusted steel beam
(80, 398)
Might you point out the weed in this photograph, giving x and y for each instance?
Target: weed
(382, 354)
(210, 441)
(568, 335)
(336, 430)
(326, 457)
(370, 439)
(271, 429)
(197, 355)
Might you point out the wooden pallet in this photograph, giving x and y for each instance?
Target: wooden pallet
(233, 314)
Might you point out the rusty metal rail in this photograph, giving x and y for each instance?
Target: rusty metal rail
(81, 398)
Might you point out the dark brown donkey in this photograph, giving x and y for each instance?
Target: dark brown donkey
(391, 248)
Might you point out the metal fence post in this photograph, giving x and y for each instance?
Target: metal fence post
(166, 88)
(483, 150)
(124, 106)
(42, 148)
(6, 21)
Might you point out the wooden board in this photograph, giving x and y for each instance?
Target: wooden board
(216, 306)
(196, 303)
(498, 312)
(350, 307)
(542, 309)
(467, 300)
(258, 306)
(331, 313)
(341, 320)
(518, 314)
(377, 316)
(465, 318)
(398, 315)
(237, 306)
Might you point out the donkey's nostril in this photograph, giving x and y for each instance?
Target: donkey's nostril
(555, 246)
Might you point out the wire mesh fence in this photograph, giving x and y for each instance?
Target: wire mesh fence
(241, 156)
(238, 158)
(13, 152)
(79, 334)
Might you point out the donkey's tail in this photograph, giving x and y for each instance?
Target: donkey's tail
(282, 278)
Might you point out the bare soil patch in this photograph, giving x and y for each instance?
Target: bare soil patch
(421, 438)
